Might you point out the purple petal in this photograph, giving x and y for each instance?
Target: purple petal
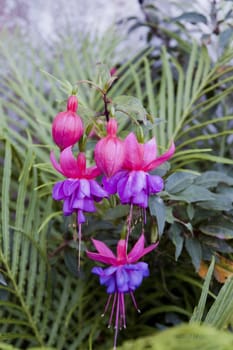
(84, 188)
(155, 184)
(67, 208)
(97, 270)
(122, 279)
(70, 186)
(58, 192)
(80, 217)
(110, 185)
(140, 199)
(97, 190)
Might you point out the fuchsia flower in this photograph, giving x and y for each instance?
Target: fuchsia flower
(110, 151)
(80, 190)
(133, 183)
(67, 127)
(123, 275)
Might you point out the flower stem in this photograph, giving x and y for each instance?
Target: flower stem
(129, 220)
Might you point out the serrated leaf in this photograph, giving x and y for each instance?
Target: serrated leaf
(193, 248)
(220, 228)
(158, 209)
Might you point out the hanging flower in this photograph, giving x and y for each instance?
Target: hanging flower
(123, 275)
(67, 127)
(110, 151)
(80, 190)
(133, 183)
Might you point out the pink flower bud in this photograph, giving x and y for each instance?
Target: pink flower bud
(67, 127)
(110, 151)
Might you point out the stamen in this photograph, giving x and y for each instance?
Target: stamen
(123, 309)
(107, 305)
(112, 311)
(134, 302)
(117, 320)
(79, 244)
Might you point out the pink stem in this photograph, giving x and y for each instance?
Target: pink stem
(129, 225)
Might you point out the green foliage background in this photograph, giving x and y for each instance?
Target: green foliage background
(45, 303)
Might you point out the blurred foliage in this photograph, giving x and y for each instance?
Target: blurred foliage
(184, 96)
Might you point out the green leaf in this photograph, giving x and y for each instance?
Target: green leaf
(193, 194)
(212, 179)
(175, 234)
(192, 17)
(157, 209)
(219, 227)
(178, 181)
(193, 247)
(199, 310)
(218, 202)
(130, 106)
(221, 311)
(184, 337)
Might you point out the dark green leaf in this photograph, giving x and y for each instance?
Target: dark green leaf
(175, 234)
(192, 17)
(193, 247)
(157, 209)
(219, 227)
(218, 202)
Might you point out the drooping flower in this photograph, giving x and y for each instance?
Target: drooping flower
(133, 183)
(67, 127)
(80, 190)
(124, 275)
(109, 151)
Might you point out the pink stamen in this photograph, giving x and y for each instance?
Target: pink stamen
(134, 302)
(112, 311)
(107, 305)
(79, 244)
(117, 320)
(123, 309)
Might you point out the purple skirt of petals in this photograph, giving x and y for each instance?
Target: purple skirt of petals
(78, 196)
(133, 187)
(122, 278)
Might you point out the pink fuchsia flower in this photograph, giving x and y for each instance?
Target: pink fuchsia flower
(124, 275)
(67, 127)
(80, 190)
(110, 151)
(133, 183)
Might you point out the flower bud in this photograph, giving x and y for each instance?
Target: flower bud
(67, 127)
(110, 151)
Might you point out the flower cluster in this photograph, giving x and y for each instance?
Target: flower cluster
(125, 166)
